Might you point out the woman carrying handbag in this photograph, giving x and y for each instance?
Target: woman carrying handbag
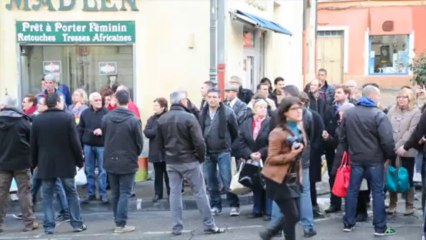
(282, 167)
(253, 145)
(404, 117)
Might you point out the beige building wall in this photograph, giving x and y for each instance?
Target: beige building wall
(171, 50)
(282, 53)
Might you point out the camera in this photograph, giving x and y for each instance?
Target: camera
(295, 141)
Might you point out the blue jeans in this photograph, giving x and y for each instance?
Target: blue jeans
(261, 204)
(35, 185)
(62, 198)
(223, 161)
(95, 157)
(49, 186)
(121, 188)
(375, 176)
(305, 205)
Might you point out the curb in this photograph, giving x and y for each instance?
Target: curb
(135, 204)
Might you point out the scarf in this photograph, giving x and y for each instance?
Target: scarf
(257, 125)
(222, 119)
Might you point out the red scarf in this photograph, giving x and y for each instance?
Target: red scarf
(257, 125)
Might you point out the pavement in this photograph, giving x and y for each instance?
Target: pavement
(155, 225)
(143, 199)
(153, 221)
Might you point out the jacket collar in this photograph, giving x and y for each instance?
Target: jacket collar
(179, 107)
(54, 110)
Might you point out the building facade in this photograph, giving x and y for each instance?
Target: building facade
(153, 47)
(370, 41)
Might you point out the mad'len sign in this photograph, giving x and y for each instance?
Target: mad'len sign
(76, 32)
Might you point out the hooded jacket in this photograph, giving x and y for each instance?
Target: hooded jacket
(15, 153)
(123, 141)
(367, 134)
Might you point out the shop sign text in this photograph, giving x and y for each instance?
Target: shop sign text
(68, 5)
(99, 32)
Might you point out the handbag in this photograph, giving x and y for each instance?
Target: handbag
(250, 174)
(397, 178)
(343, 177)
(80, 178)
(236, 187)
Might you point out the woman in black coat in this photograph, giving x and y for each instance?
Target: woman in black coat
(253, 145)
(155, 154)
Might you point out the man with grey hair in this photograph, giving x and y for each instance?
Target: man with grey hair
(353, 87)
(50, 87)
(243, 93)
(15, 161)
(181, 139)
(365, 135)
(91, 137)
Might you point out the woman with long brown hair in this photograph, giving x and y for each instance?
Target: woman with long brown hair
(282, 167)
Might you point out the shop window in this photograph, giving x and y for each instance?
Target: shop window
(87, 67)
(249, 38)
(389, 55)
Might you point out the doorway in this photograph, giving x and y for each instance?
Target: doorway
(330, 55)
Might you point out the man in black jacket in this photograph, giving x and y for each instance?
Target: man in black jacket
(220, 129)
(56, 151)
(366, 132)
(15, 161)
(90, 132)
(123, 143)
(181, 140)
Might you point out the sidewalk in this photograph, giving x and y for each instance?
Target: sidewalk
(144, 194)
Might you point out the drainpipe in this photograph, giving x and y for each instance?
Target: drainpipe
(221, 43)
(213, 41)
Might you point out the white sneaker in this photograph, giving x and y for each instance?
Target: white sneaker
(234, 212)
(215, 211)
(124, 229)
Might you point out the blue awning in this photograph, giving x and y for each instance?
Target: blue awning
(261, 22)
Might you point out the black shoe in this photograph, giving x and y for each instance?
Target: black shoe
(105, 200)
(254, 215)
(332, 209)
(62, 218)
(156, 198)
(88, 199)
(309, 233)
(132, 195)
(80, 229)
(362, 217)
(318, 214)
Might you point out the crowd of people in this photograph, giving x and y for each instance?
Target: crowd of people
(283, 128)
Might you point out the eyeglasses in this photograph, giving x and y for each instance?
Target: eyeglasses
(97, 100)
(295, 108)
(404, 97)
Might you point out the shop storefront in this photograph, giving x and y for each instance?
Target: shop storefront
(88, 55)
